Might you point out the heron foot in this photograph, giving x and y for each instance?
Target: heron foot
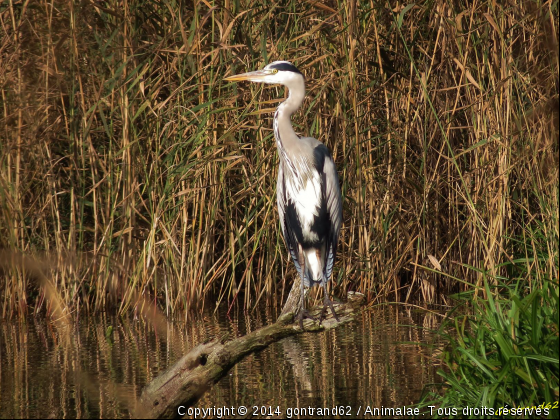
(324, 310)
(303, 313)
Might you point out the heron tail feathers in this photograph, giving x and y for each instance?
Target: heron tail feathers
(313, 266)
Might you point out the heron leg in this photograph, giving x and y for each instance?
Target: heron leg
(302, 310)
(328, 301)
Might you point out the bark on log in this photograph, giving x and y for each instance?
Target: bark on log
(292, 304)
(185, 382)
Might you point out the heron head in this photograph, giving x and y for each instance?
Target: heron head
(278, 72)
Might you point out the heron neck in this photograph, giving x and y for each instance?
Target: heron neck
(283, 130)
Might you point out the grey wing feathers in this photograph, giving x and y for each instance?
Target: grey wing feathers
(333, 200)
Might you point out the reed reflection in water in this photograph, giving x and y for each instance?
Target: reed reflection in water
(79, 371)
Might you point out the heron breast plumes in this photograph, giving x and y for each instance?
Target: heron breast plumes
(306, 197)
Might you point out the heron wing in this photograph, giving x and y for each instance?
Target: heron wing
(333, 199)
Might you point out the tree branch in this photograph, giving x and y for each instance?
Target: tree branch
(185, 382)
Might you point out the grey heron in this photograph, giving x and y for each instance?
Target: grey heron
(308, 194)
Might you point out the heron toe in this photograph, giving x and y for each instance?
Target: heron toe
(303, 313)
(324, 310)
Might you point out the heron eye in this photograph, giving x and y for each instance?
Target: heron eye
(274, 71)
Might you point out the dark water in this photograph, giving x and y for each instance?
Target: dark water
(383, 359)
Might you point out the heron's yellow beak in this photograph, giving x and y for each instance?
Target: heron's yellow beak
(253, 76)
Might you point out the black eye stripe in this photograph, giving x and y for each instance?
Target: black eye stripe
(285, 67)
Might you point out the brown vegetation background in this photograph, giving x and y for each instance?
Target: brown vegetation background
(131, 174)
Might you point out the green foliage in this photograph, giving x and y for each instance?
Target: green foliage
(503, 350)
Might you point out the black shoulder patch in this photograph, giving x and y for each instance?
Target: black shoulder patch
(319, 154)
(293, 225)
(283, 66)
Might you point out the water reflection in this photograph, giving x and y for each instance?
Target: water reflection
(384, 359)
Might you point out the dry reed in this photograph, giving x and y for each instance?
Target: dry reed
(143, 177)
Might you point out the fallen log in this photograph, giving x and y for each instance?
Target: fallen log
(184, 383)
